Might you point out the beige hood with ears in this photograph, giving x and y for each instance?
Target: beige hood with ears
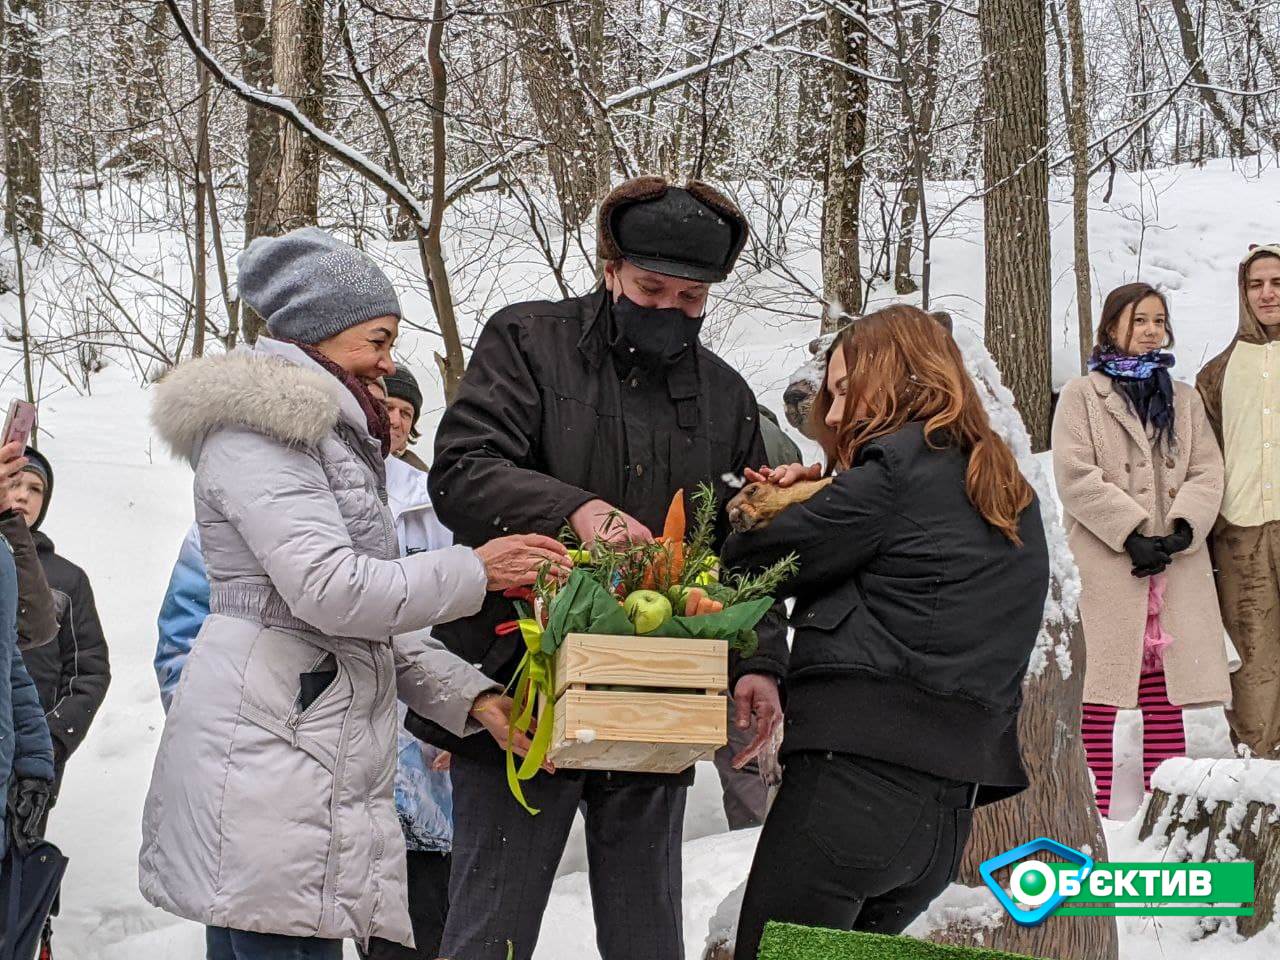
(1209, 379)
(1250, 328)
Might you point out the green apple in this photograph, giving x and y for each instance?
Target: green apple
(647, 609)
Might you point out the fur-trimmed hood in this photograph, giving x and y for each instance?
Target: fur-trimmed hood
(274, 389)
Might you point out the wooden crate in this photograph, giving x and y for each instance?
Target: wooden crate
(597, 728)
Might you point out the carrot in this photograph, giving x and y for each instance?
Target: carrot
(691, 602)
(673, 529)
(716, 606)
(704, 606)
(673, 532)
(668, 565)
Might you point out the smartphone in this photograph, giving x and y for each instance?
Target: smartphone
(19, 424)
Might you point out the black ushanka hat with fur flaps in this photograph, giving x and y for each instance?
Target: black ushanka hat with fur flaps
(694, 232)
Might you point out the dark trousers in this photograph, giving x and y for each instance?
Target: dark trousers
(504, 861)
(428, 908)
(746, 797)
(224, 944)
(853, 844)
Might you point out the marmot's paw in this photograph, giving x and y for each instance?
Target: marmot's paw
(756, 506)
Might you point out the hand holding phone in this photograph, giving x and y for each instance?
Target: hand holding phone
(19, 424)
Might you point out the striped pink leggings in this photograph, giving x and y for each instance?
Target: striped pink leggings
(1162, 735)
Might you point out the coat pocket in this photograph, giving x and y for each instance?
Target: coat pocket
(827, 612)
(315, 724)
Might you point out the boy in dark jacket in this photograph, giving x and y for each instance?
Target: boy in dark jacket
(26, 619)
(72, 673)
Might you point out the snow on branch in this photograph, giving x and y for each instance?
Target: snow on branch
(651, 88)
(344, 153)
(677, 78)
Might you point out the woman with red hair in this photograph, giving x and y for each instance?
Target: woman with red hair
(923, 571)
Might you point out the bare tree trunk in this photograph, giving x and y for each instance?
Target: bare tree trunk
(1140, 88)
(24, 320)
(1058, 804)
(1190, 39)
(262, 129)
(926, 29)
(262, 139)
(559, 47)
(297, 33)
(1250, 18)
(21, 99)
(452, 363)
(200, 277)
(1254, 38)
(841, 271)
(811, 158)
(1016, 203)
(1075, 109)
(139, 54)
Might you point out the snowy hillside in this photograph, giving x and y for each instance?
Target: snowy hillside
(121, 506)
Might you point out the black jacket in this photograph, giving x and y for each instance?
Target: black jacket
(914, 619)
(37, 618)
(546, 419)
(72, 674)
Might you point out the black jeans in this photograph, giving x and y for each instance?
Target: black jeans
(224, 944)
(853, 844)
(428, 908)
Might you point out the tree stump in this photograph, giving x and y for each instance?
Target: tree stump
(1244, 829)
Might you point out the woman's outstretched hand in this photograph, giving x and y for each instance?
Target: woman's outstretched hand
(784, 476)
(493, 711)
(515, 561)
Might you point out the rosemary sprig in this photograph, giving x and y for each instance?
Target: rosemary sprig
(742, 587)
(700, 545)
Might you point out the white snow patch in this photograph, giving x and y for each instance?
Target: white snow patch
(1214, 781)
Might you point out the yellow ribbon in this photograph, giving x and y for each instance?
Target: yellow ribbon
(535, 675)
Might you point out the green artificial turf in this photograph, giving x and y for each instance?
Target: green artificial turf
(786, 941)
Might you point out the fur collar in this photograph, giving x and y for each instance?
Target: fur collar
(267, 391)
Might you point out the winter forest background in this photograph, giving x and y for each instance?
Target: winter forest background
(1007, 160)
(469, 143)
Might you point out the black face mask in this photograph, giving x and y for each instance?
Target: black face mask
(652, 337)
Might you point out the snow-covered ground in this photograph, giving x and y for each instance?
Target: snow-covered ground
(121, 506)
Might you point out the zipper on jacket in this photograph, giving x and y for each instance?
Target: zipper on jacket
(297, 716)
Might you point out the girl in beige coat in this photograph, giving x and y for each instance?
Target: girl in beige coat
(1140, 478)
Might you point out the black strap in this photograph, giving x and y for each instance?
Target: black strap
(14, 859)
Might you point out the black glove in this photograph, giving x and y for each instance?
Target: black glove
(27, 802)
(1148, 554)
(1180, 539)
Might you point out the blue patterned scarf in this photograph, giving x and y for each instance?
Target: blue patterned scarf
(1145, 383)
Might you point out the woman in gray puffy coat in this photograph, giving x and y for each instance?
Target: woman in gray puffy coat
(270, 817)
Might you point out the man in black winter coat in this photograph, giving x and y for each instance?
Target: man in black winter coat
(569, 411)
(71, 674)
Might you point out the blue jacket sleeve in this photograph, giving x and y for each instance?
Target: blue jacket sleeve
(186, 604)
(33, 746)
